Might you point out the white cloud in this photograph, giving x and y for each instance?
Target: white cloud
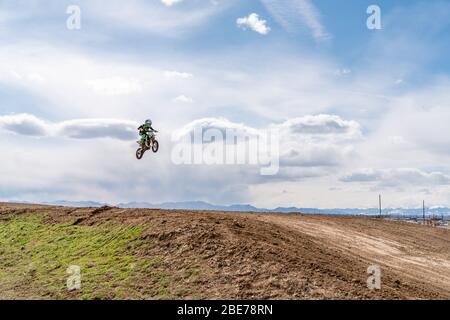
(30, 125)
(398, 177)
(165, 18)
(168, 20)
(36, 77)
(177, 74)
(318, 140)
(362, 175)
(221, 124)
(322, 124)
(305, 142)
(170, 2)
(292, 14)
(97, 128)
(322, 127)
(425, 118)
(24, 124)
(316, 155)
(183, 99)
(253, 22)
(343, 72)
(115, 86)
(397, 140)
(30, 78)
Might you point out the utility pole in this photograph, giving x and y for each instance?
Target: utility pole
(423, 211)
(379, 203)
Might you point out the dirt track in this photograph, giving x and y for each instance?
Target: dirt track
(272, 256)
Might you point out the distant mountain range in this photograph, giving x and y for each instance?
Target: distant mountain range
(79, 204)
(201, 205)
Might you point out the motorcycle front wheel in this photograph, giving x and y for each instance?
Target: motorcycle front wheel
(155, 146)
(140, 153)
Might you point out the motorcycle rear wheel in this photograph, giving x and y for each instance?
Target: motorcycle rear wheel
(140, 153)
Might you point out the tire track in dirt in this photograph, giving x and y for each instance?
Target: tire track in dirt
(405, 258)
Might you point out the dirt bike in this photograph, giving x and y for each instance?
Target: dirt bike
(149, 143)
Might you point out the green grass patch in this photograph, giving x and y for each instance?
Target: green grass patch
(35, 256)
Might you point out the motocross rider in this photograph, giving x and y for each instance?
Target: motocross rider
(146, 131)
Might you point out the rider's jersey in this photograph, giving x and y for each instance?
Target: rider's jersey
(146, 128)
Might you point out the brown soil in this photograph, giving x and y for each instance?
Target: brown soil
(278, 256)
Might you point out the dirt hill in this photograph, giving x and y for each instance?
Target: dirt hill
(160, 254)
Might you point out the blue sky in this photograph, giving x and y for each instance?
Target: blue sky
(70, 99)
